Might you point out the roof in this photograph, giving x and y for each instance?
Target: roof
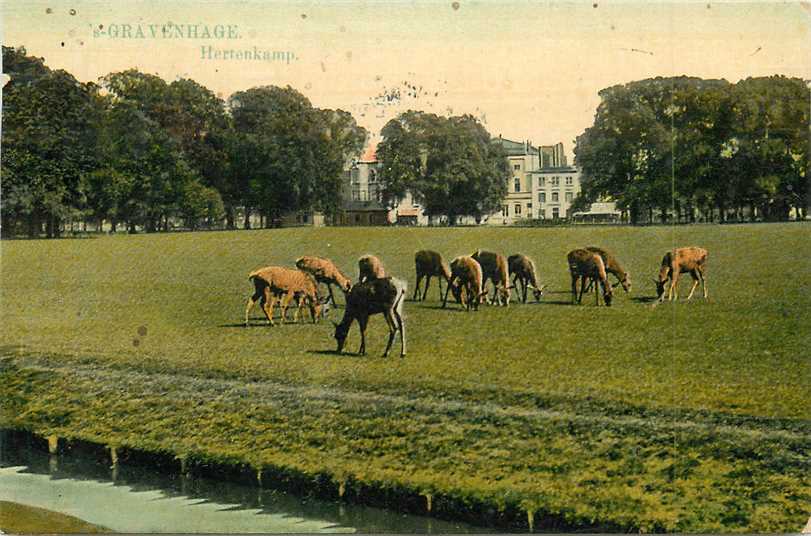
(369, 154)
(560, 169)
(364, 206)
(515, 148)
(408, 211)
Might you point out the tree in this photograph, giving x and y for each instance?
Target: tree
(286, 154)
(449, 163)
(48, 142)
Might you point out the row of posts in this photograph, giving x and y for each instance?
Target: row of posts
(53, 464)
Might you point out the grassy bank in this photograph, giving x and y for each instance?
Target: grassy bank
(688, 416)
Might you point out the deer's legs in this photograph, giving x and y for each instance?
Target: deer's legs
(696, 279)
(704, 284)
(392, 331)
(331, 296)
(401, 326)
(447, 290)
(417, 287)
(268, 300)
(362, 322)
(427, 284)
(574, 289)
(674, 290)
(251, 302)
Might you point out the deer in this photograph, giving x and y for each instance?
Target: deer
(466, 275)
(276, 283)
(692, 260)
(584, 264)
(325, 271)
(523, 271)
(494, 267)
(428, 264)
(379, 295)
(370, 267)
(612, 266)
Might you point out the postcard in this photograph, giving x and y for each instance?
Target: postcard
(419, 266)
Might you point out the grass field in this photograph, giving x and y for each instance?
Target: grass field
(687, 416)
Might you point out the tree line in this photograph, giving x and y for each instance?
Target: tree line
(133, 152)
(686, 148)
(140, 153)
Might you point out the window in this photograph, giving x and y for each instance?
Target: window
(517, 184)
(517, 167)
(505, 211)
(517, 209)
(542, 197)
(529, 206)
(541, 181)
(555, 213)
(555, 197)
(569, 196)
(568, 181)
(355, 176)
(372, 176)
(555, 181)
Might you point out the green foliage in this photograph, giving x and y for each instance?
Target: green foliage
(625, 418)
(48, 142)
(691, 143)
(449, 163)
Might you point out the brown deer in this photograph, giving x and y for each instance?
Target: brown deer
(692, 260)
(466, 277)
(325, 271)
(384, 295)
(494, 267)
(584, 265)
(612, 266)
(524, 276)
(276, 283)
(370, 267)
(428, 264)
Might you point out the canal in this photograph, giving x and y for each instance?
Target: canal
(137, 498)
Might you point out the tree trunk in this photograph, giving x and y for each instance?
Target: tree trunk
(229, 218)
(247, 224)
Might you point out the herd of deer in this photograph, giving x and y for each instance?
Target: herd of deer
(466, 277)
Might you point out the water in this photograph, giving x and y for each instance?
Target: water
(136, 499)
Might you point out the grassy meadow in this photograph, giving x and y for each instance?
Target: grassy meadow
(689, 416)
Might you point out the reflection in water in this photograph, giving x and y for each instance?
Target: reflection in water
(133, 499)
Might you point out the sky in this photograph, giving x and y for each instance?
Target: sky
(530, 70)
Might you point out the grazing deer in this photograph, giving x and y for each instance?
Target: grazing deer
(466, 275)
(523, 271)
(612, 266)
(276, 283)
(584, 264)
(494, 267)
(428, 264)
(692, 260)
(370, 267)
(325, 271)
(371, 297)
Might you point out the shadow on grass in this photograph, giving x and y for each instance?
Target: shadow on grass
(333, 353)
(643, 299)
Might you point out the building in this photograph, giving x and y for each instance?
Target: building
(541, 186)
(554, 189)
(363, 198)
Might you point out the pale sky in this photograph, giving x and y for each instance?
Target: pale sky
(529, 70)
